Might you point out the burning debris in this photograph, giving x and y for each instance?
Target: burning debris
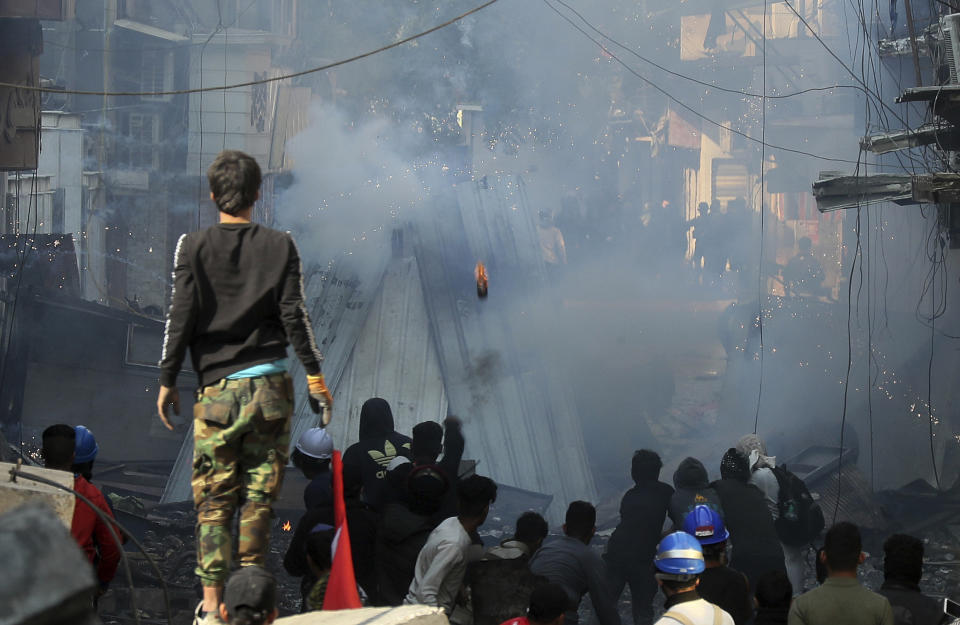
(480, 272)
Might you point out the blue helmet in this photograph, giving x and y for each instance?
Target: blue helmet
(706, 525)
(87, 448)
(679, 554)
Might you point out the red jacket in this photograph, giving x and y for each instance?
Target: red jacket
(91, 532)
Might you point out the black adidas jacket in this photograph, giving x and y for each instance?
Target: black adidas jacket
(237, 302)
(379, 444)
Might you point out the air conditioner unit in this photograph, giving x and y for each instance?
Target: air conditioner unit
(951, 43)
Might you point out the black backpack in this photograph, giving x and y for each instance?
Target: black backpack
(800, 517)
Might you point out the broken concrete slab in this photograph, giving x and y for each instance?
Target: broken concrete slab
(15, 493)
(403, 615)
(54, 582)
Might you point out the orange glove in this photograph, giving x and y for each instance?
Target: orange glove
(321, 401)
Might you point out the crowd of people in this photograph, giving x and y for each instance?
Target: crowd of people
(737, 547)
(238, 303)
(713, 549)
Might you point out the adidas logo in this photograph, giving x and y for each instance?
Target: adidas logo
(383, 458)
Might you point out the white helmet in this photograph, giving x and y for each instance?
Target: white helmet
(316, 443)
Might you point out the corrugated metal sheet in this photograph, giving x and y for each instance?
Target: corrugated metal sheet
(520, 420)
(857, 503)
(394, 358)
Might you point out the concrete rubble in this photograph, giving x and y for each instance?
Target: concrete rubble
(14, 494)
(55, 579)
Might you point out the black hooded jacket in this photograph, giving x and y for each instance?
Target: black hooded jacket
(692, 489)
(379, 444)
(401, 535)
(756, 546)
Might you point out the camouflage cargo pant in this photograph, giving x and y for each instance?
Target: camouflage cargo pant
(241, 433)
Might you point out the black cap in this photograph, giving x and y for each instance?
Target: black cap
(252, 587)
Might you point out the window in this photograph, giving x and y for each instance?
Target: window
(138, 144)
(284, 22)
(29, 204)
(156, 73)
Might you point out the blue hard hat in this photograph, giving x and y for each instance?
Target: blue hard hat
(679, 553)
(706, 525)
(87, 448)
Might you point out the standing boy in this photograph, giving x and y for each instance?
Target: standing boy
(237, 302)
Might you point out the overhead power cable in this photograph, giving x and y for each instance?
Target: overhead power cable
(250, 83)
(113, 526)
(662, 68)
(686, 106)
(763, 210)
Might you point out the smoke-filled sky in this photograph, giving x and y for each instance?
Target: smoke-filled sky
(619, 166)
(644, 325)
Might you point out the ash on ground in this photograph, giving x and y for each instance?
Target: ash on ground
(172, 546)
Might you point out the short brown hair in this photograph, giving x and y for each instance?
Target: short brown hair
(234, 181)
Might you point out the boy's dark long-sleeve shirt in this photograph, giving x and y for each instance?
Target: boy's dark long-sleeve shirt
(237, 302)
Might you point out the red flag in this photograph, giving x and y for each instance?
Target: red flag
(342, 586)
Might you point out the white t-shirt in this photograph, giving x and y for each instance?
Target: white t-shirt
(441, 566)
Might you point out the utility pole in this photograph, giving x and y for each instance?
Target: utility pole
(109, 17)
(913, 42)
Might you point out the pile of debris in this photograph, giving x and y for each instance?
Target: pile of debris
(167, 534)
